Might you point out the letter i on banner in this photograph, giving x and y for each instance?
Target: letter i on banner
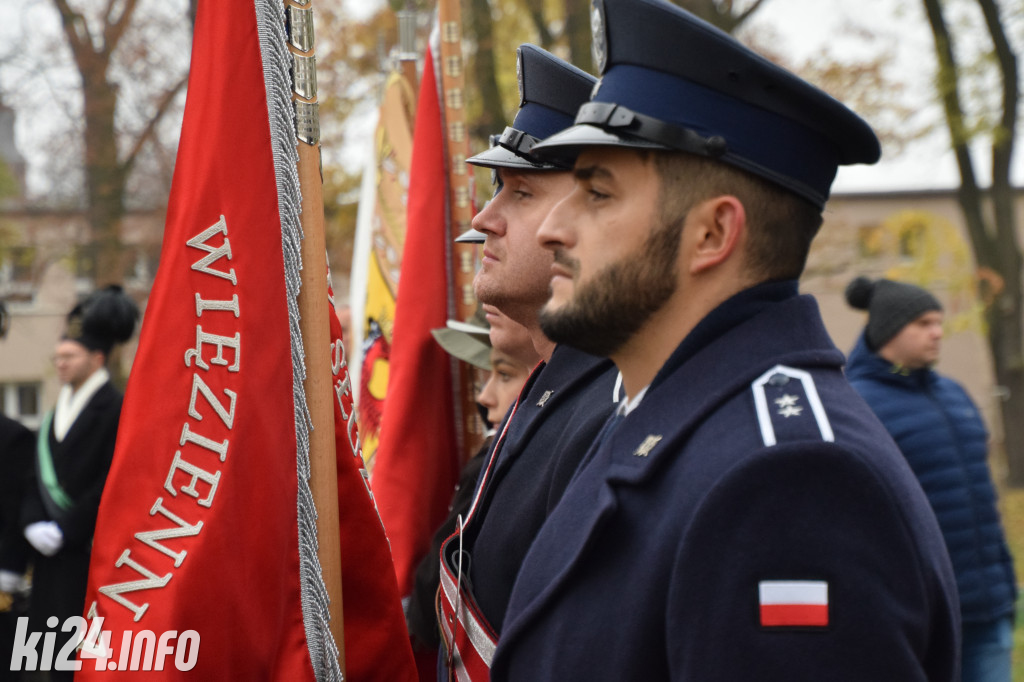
(207, 526)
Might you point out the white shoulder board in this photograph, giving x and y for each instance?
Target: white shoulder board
(786, 400)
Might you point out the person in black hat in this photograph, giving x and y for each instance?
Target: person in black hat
(73, 454)
(567, 398)
(940, 432)
(744, 516)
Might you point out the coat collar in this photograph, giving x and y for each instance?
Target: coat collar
(694, 383)
(71, 403)
(551, 384)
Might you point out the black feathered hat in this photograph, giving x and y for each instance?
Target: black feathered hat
(107, 317)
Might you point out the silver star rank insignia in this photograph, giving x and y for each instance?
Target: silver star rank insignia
(788, 407)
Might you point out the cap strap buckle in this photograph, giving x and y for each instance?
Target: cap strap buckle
(516, 141)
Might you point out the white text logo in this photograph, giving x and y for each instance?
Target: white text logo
(142, 650)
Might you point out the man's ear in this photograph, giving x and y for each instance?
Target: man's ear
(720, 225)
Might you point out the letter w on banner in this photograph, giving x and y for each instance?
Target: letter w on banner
(204, 521)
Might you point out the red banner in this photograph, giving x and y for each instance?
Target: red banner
(417, 461)
(376, 642)
(196, 561)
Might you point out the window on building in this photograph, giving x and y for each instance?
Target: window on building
(17, 264)
(22, 401)
(23, 260)
(912, 235)
(85, 262)
(28, 399)
(869, 240)
(144, 262)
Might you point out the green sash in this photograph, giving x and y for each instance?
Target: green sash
(47, 474)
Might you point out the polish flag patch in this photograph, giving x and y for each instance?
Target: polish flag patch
(793, 603)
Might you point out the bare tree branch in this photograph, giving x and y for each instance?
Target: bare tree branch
(114, 28)
(75, 28)
(147, 133)
(536, 10)
(745, 14)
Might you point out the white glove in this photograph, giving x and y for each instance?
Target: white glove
(11, 582)
(45, 536)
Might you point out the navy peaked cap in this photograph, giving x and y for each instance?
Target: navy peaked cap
(550, 93)
(672, 81)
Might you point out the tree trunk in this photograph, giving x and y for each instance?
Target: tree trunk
(492, 115)
(536, 11)
(1007, 315)
(577, 30)
(104, 174)
(105, 181)
(995, 242)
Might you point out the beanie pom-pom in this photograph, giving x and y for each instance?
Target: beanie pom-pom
(859, 292)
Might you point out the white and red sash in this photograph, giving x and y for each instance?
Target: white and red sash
(469, 640)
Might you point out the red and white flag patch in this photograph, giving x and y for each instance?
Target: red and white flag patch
(793, 603)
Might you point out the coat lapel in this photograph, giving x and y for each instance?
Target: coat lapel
(559, 380)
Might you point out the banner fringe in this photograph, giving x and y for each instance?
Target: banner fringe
(277, 64)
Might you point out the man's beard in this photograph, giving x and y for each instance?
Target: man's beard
(605, 313)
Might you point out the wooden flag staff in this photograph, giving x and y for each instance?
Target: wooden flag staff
(314, 311)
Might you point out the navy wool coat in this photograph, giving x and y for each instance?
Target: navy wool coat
(750, 468)
(561, 409)
(938, 429)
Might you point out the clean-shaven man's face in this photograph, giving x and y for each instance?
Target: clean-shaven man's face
(515, 270)
(918, 344)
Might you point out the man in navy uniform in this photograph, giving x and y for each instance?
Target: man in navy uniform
(565, 401)
(748, 518)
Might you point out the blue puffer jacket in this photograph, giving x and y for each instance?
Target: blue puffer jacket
(940, 432)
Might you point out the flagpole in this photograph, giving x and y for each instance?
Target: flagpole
(313, 309)
(469, 429)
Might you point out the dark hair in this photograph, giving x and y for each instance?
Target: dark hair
(781, 224)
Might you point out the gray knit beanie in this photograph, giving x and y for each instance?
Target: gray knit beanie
(891, 306)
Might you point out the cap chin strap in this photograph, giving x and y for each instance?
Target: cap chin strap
(617, 119)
